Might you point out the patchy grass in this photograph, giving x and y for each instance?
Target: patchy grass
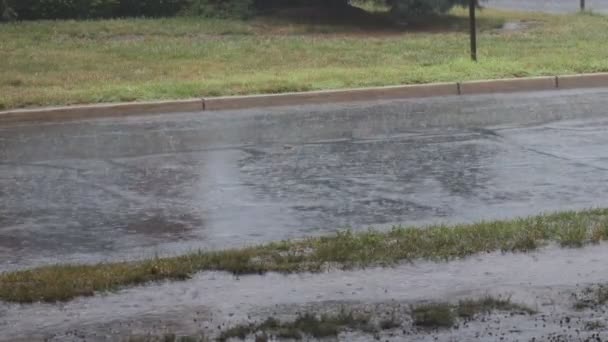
(307, 325)
(389, 323)
(71, 62)
(346, 250)
(167, 338)
(445, 315)
(595, 325)
(591, 297)
(320, 327)
(468, 309)
(437, 315)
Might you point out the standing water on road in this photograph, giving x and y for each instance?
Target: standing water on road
(114, 189)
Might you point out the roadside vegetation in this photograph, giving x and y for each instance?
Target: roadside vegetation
(445, 315)
(591, 297)
(310, 325)
(437, 315)
(90, 61)
(305, 325)
(344, 250)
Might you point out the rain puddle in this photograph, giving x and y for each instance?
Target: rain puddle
(544, 280)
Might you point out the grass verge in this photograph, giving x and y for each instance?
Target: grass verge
(435, 315)
(445, 315)
(306, 325)
(310, 325)
(74, 62)
(345, 250)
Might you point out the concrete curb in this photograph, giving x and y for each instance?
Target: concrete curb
(508, 85)
(100, 110)
(583, 81)
(313, 97)
(331, 96)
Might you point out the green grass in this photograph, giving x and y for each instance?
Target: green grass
(436, 315)
(346, 250)
(445, 315)
(306, 325)
(310, 325)
(469, 308)
(71, 62)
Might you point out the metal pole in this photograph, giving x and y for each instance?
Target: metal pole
(582, 5)
(473, 28)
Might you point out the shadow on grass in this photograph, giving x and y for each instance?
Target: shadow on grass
(352, 19)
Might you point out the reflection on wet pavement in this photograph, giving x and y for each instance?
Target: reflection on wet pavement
(110, 189)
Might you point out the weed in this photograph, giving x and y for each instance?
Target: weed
(438, 315)
(389, 324)
(167, 338)
(444, 315)
(467, 309)
(239, 331)
(307, 324)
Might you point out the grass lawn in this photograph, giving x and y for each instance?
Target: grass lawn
(345, 250)
(69, 62)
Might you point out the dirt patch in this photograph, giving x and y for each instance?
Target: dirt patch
(357, 23)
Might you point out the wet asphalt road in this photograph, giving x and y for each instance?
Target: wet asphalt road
(103, 189)
(549, 6)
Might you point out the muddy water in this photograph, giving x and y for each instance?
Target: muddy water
(113, 189)
(543, 280)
